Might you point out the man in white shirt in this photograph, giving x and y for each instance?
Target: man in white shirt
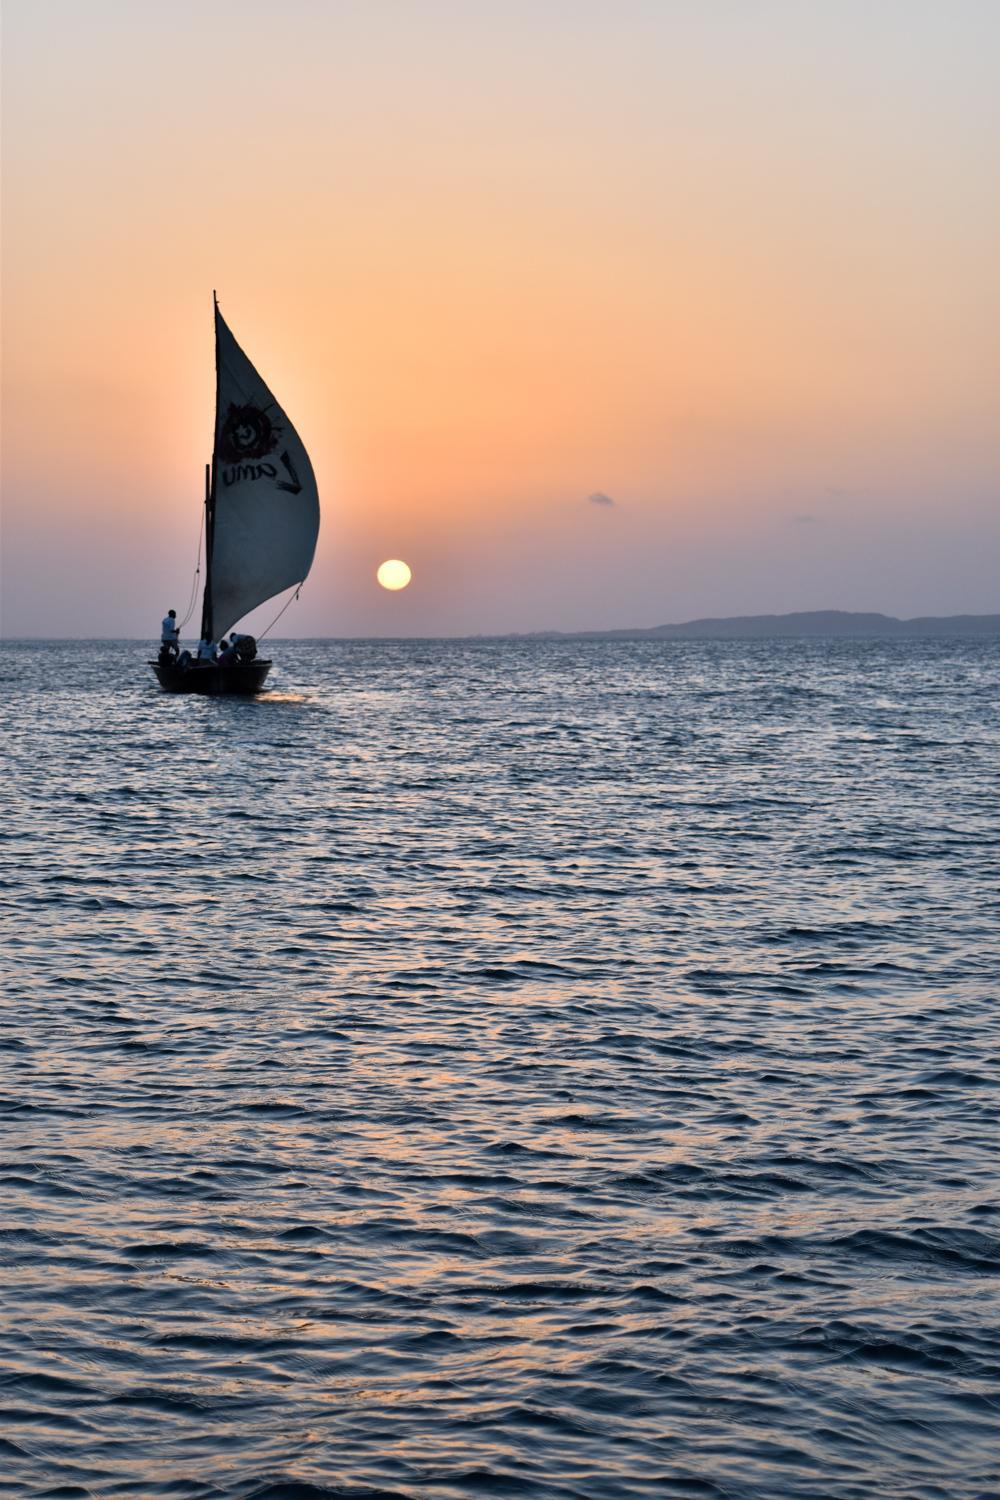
(169, 636)
(206, 651)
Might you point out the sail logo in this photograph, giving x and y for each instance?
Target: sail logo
(246, 434)
(238, 473)
(246, 437)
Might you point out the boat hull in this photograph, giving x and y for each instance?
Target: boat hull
(241, 678)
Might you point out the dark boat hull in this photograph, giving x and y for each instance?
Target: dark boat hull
(244, 678)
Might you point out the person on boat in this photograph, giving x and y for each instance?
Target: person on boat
(206, 650)
(246, 646)
(230, 653)
(169, 633)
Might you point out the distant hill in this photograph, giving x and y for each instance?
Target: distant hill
(829, 624)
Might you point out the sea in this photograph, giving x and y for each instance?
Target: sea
(485, 1069)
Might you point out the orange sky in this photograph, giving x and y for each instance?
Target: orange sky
(733, 266)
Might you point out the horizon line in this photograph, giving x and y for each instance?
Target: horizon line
(592, 631)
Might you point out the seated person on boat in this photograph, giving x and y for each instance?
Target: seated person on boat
(237, 651)
(246, 646)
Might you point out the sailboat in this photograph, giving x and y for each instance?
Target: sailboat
(261, 523)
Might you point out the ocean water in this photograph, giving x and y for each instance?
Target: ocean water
(502, 1069)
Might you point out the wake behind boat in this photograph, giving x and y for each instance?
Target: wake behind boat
(261, 525)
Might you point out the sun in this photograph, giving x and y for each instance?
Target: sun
(393, 574)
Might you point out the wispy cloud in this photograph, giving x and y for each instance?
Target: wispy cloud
(599, 498)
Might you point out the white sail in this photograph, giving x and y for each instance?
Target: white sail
(266, 506)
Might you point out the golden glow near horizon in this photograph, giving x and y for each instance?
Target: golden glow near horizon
(394, 574)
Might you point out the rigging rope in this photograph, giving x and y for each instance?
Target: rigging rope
(281, 611)
(194, 585)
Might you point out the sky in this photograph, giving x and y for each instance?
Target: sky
(597, 315)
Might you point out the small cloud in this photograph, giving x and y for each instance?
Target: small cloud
(599, 498)
(805, 520)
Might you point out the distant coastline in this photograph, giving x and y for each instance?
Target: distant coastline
(827, 624)
(816, 624)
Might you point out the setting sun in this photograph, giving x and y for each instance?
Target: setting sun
(394, 574)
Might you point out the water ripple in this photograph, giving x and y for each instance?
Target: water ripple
(541, 1069)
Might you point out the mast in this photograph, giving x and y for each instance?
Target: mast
(207, 633)
(206, 605)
